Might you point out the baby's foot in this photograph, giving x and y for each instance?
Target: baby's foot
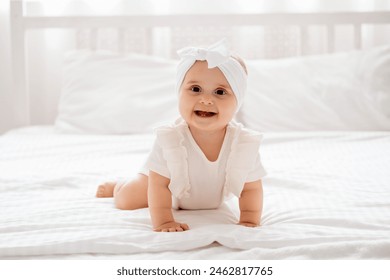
(106, 189)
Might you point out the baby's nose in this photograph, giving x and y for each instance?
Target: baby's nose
(206, 99)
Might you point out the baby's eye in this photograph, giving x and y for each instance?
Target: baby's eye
(196, 89)
(220, 91)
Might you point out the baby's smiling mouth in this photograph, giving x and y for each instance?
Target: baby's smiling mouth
(204, 114)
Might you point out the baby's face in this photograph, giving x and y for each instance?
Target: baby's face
(206, 100)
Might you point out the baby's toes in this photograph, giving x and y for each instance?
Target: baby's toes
(105, 190)
(184, 227)
(100, 191)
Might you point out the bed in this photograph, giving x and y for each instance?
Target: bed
(325, 118)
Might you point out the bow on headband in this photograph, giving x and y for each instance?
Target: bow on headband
(215, 54)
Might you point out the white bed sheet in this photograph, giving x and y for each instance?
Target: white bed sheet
(326, 196)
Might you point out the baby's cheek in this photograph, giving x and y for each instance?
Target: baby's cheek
(184, 111)
(231, 111)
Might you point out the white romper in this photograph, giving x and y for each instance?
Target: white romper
(196, 182)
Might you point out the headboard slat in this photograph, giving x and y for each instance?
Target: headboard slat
(18, 40)
(93, 38)
(304, 40)
(330, 28)
(121, 40)
(358, 36)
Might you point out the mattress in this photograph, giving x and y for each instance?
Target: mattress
(326, 196)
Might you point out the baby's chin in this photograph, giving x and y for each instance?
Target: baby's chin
(207, 127)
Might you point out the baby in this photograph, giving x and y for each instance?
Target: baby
(204, 157)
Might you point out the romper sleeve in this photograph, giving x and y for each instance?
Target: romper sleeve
(257, 172)
(156, 162)
(169, 158)
(175, 155)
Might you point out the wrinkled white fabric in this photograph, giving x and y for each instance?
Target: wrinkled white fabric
(216, 55)
(326, 196)
(196, 182)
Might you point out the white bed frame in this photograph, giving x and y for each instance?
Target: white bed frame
(22, 23)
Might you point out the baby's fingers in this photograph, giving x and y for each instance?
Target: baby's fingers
(172, 227)
(180, 228)
(246, 224)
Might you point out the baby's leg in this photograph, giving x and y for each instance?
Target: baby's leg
(129, 195)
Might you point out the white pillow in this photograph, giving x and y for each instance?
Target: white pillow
(342, 91)
(115, 94)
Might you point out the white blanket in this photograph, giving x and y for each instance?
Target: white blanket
(326, 196)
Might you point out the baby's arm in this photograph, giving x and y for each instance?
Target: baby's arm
(251, 204)
(160, 205)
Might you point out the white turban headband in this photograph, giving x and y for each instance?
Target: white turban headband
(216, 55)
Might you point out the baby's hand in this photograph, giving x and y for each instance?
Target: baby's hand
(247, 224)
(172, 227)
